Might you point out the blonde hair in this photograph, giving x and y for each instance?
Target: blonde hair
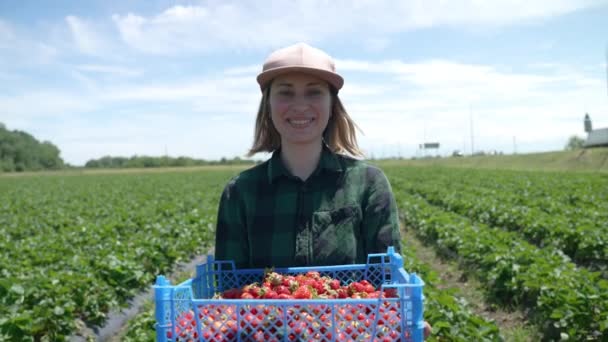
(339, 135)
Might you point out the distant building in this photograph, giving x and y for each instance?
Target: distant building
(595, 137)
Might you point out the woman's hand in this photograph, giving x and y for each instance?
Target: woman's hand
(427, 329)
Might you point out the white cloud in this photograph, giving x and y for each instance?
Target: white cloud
(17, 50)
(110, 69)
(41, 104)
(7, 34)
(153, 134)
(409, 103)
(217, 90)
(244, 70)
(246, 25)
(453, 82)
(88, 36)
(181, 29)
(88, 82)
(377, 44)
(114, 100)
(402, 104)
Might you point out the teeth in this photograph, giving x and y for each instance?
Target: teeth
(300, 122)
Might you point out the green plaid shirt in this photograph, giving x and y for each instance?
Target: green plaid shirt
(343, 211)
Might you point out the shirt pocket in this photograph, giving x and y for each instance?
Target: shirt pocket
(336, 235)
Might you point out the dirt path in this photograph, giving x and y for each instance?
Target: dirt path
(513, 325)
(117, 322)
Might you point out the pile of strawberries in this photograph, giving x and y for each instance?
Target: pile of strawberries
(305, 286)
(298, 321)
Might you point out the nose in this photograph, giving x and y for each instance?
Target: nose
(300, 104)
(299, 108)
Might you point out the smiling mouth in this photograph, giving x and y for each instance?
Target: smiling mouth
(299, 123)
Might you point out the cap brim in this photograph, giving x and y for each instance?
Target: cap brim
(330, 77)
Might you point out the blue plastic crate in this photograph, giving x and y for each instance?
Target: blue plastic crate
(187, 312)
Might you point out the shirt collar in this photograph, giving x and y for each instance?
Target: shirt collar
(328, 161)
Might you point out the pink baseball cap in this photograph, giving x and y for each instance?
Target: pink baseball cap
(303, 58)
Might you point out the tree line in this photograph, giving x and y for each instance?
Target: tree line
(20, 151)
(148, 161)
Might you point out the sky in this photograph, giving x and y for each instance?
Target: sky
(177, 78)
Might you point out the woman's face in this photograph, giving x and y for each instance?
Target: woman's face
(300, 107)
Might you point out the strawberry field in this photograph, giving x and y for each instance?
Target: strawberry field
(76, 246)
(537, 241)
(73, 247)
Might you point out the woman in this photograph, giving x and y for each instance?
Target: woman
(311, 203)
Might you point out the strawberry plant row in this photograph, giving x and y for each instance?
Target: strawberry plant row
(563, 194)
(570, 189)
(575, 235)
(75, 247)
(451, 318)
(564, 301)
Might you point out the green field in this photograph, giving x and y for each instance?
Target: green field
(77, 244)
(588, 160)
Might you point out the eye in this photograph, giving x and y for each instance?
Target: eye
(285, 93)
(314, 92)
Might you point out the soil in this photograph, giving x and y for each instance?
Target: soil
(513, 324)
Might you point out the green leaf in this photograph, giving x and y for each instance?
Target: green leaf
(18, 289)
(59, 311)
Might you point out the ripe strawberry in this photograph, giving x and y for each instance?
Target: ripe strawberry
(369, 288)
(271, 294)
(313, 274)
(309, 282)
(287, 280)
(282, 289)
(246, 295)
(357, 287)
(303, 293)
(300, 278)
(232, 294)
(390, 293)
(259, 336)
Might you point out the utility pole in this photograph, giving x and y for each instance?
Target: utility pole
(166, 159)
(471, 122)
(514, 146)
(424, 140)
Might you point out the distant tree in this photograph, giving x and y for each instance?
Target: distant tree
(7, 165)
(574, 143)
(92, 164)
(149, 161)
(19, 151)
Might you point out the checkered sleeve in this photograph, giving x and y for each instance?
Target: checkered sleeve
(380, 216)
(231, 233)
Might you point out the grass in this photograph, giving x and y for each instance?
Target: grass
(585, 160)
(513, 324)
(83, 171)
